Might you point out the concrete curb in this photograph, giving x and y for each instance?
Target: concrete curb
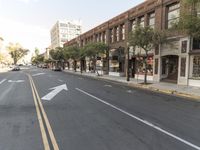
(146, 87)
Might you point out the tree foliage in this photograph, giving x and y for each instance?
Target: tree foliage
(147, 39)
(37, 59)
(73, 52)
(57, 54)
(94, 49)
(37, 51)
(16, 51)
(190, 18)
(1, 57)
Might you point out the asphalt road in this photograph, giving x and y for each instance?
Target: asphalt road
(81, 113)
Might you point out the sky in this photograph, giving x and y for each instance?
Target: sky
(28, 22)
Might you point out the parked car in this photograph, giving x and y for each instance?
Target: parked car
(16, 68)
(44, 66)
(57, 69)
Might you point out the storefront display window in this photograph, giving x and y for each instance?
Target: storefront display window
(196, 67)
(141, 66)
(117, 60)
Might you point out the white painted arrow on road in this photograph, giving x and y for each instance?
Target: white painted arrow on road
(55, 91)
(15, 81)
(37, 74)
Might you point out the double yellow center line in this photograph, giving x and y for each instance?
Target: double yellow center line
(42, 118)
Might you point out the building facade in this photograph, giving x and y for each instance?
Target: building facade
(178, 61)
(64, 31)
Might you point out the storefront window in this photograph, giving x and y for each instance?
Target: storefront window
(141, 66)
(116, 60)
(196, 67)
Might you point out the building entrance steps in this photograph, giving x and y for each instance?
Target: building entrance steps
(163, 87)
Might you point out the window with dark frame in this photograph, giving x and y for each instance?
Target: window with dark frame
(123, 31)
(157, 50)
(117, 34)
(151, 20)
(183, 46)
(183, 67)
(156, 66)
(196, 67)
(173, 14)
(141, 21)
(133, 25)
(196, 44)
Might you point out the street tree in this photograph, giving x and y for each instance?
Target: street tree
(73, 52)
(37, 59)
(93, 50)
(147, 39)
(37, 51)
(57, 55)
(16, 51)
(190, 18)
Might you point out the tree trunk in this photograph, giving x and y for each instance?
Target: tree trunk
(15, 61)
(94, 63)
(81, 65)
(145, 74)
(75, 65)
(145, 65)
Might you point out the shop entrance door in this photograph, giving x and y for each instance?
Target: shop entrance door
(170, 68)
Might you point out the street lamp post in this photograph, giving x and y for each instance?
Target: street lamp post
(128, 73)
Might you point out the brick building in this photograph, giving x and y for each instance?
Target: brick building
(178, 61)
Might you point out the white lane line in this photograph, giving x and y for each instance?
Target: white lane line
(15, 81)
(143, 121)
(60, 80)
(38, 74)
(2, 81)
(129, 91)
(107, 85)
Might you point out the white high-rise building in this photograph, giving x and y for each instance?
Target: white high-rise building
(64, 31)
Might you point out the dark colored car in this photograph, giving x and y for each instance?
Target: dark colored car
(57, 69)
(16, 68)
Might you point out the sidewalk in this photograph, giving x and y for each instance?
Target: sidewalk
(163, 87)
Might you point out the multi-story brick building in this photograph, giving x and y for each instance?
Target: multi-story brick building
(177, 61)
